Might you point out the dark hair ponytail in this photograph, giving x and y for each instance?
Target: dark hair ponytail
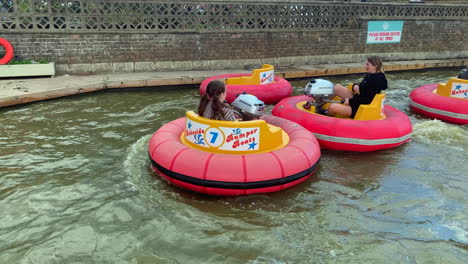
(213, 91)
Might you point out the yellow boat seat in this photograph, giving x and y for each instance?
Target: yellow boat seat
(447, 89)
(372, 111)
(263, 75)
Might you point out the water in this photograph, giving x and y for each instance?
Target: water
(76, 187)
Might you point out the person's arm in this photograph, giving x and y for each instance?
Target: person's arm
(355, 88)
(368, 88)
(231, 114)
(358, 88)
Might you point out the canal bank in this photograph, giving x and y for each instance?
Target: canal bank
(76, 186)
(20, 91)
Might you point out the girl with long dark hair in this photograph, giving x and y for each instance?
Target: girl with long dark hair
(212, 103)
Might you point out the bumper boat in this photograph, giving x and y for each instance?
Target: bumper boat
(233, 158)
(262, 83)
(444, 101)
(374, 126)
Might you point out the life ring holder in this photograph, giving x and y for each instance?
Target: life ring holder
(8, 51)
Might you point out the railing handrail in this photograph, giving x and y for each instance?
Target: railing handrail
(202, 16)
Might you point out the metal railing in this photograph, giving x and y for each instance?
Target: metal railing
(42, 16)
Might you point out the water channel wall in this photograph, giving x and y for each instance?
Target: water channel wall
(101, 36)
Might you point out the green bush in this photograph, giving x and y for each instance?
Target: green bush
(16, 62)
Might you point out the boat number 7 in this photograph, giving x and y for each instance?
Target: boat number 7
(215, 136)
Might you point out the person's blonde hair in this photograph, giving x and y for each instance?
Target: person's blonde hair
(377, 62)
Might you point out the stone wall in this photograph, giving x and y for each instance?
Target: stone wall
(83, 39)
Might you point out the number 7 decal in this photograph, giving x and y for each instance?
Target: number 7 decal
(215, 136)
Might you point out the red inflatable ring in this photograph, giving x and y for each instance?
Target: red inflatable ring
(424, 101)
(229, 174)
(347, 134)
(8, 51)
(270, 93)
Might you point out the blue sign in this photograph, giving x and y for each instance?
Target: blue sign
(384, 32)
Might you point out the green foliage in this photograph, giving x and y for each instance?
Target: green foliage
(17, 62)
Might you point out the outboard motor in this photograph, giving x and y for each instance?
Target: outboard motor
(320, 90)
(249, 106)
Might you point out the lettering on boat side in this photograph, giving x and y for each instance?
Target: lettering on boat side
(267, 77)
(195, 133)
(222, 138)
(459, 90)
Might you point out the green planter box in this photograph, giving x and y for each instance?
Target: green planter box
(27, 70)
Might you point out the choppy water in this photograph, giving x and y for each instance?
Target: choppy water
(76, 187)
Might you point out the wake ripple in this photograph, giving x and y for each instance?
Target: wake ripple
(438, 132)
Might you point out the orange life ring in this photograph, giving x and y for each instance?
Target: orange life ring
(8, 51)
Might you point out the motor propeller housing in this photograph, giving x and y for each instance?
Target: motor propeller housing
(249, 106)
(319, 89)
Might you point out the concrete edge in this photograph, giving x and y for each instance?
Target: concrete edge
(290, 73)
(153, 82)
(50, 94)
(202, 65)
(388, 67)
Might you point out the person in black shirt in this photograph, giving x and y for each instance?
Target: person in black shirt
(362, 93)
(463, 74)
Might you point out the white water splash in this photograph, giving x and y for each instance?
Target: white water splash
(139, 176)
(137, 161)
(438, 132)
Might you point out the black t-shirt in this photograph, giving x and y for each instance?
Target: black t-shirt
(463, 75)
(372, 84)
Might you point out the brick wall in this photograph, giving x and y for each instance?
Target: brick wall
(83, 53)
